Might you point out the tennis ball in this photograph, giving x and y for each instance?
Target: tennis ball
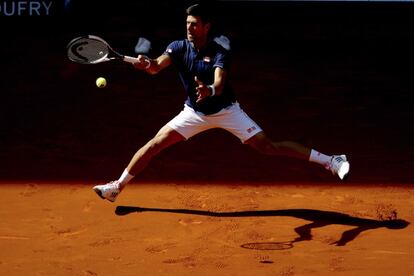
(101, 82)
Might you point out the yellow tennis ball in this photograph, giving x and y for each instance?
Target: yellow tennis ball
(101, 82)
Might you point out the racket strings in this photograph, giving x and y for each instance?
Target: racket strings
(87, 50)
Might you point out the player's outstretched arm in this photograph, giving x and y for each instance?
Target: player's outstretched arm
(152, 66)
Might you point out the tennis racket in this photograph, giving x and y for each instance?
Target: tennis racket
(91, 49)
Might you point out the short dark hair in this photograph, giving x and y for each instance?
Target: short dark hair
(201, 10)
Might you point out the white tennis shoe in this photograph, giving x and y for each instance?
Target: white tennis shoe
(339, 166)
(108, 191)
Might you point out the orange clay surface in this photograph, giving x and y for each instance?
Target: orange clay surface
(207, 229)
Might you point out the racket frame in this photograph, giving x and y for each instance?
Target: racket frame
(111, 55)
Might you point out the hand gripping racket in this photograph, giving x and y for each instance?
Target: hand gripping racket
(92, 49)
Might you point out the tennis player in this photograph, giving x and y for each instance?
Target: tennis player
(203, 65)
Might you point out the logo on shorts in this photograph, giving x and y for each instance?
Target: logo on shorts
(250, 129)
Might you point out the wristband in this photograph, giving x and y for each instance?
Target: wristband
(212, 89)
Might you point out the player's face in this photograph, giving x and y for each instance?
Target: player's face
(197, 31)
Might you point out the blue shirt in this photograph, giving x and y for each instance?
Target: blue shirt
(191, 63)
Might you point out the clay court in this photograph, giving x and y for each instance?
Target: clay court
(335, 77)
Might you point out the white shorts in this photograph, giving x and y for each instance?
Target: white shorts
(233, 119)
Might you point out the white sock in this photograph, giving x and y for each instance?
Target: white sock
(319, 158)
(125, 178)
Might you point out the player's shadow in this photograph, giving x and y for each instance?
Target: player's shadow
(318, 219)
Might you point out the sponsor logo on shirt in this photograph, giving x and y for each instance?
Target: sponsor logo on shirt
(207, 59)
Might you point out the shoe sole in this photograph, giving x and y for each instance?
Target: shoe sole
(346, 167)
(346, 176)
(99, 193)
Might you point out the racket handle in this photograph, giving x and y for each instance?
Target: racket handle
(130, 59)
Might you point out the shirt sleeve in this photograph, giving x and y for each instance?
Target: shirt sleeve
(174, 49)
(222, 59)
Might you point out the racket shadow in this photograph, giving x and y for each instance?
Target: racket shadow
(317, 218)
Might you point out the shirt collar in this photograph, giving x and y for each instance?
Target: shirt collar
(202, 50)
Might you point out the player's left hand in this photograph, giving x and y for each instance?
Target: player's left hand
(202, 90)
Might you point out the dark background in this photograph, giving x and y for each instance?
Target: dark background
(335, 76)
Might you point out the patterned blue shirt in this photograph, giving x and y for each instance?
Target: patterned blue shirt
(191, 63)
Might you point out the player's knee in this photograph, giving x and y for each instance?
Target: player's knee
(160, 141)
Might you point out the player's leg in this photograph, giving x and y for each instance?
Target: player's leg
(263, 144)
(337, 164)
(183, 126)
(236, 121)
(165, 137)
